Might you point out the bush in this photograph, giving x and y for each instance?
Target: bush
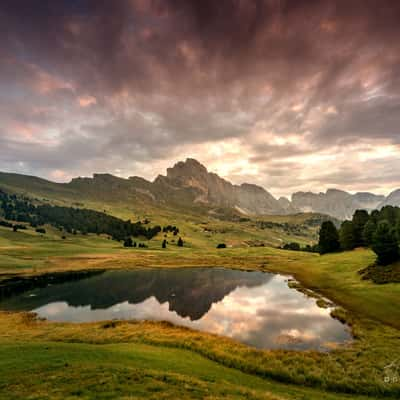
(291, 246)
(128, 242)
(40, 230)
(221, 246)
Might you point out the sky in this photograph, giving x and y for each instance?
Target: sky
(288, 94)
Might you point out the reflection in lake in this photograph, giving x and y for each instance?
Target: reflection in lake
(253, 307)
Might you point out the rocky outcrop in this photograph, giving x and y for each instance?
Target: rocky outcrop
(188, 184)
(336, 203)
(213, 190)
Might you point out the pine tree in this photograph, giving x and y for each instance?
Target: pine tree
(328, 238)
(385, 244)
(368, 233)
(346, 236)
(180, 242)
(360, 218)
(164, 244)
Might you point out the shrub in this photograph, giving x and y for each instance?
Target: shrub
(291, 246)
(128, 242)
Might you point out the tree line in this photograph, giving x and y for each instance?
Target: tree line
(72, 219)
(379, 230)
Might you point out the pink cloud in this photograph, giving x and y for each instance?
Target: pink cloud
(86, 101)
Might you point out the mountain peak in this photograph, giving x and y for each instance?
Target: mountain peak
(189, 167)
(183, 171)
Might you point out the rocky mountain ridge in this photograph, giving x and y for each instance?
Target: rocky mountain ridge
(189, 184)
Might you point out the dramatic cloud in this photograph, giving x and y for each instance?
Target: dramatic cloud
(289, 94)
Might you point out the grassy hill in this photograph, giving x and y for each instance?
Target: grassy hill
(201, 226)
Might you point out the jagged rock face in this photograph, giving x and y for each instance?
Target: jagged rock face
(212, 190)
(334, 202)
(287, 205)
(189, 183)
(369, 201)
(256, 200)
(392, 200)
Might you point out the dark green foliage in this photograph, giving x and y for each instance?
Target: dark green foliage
(94, 222)
(221, 246)
(171, 228)
(294, 246)
(40, 230)
(360, 218)
(389, 214)
(291, 246)
(369, 230)
(347, 236)
(380, 231)
(18, 226)
(128, 242)
(72, 219)
(311, 249)
(374, 216)
(6, 224)
(385, 244)
(397, 229)
(180, 242)
(164, 244)
(328, 238)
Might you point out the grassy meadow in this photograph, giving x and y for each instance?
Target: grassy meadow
(40, 359)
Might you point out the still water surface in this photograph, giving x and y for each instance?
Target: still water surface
(256, 308)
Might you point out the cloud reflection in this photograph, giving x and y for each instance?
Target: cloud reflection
(270, 315)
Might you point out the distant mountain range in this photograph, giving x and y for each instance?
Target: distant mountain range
(189, 184)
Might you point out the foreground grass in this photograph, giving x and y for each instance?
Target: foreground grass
(42, 360)
(372, 311)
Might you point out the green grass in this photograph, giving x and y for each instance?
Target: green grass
(179, 362)
(48, 370)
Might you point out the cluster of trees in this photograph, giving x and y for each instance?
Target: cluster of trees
(128, 242)
(14, 227)
(379, 230)
(171, 228)
(90, 221)
(72, 219)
